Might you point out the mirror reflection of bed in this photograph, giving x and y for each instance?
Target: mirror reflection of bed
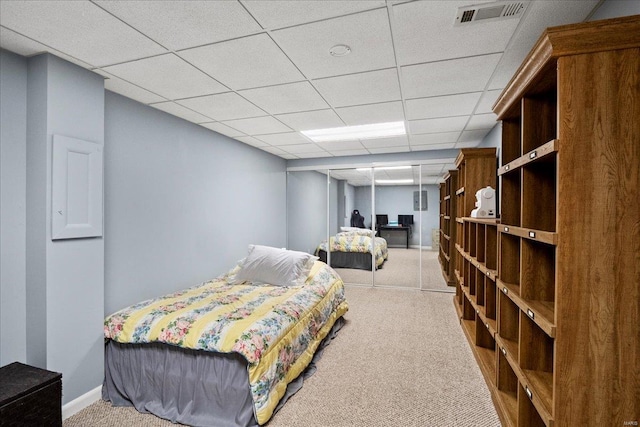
(343, 207)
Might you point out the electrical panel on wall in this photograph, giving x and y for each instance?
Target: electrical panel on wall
(76, 195)
(417, 206)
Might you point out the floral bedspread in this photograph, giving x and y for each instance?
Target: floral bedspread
(350, 242)
(276, 329)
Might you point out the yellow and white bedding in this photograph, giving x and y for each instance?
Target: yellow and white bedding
(358, 243)
(276, 329)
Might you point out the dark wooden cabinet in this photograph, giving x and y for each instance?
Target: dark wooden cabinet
(30, 396)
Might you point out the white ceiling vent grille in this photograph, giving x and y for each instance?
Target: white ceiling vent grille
(489, 12)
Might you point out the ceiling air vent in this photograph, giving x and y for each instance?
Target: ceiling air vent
(489, 12)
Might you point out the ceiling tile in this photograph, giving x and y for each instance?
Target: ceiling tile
(447, 124)
(448, 77)
(180, 111)
(223, 129)
(473, 136)
(244, 63)
(396, 141)
(287, 98)
(319, 119)
(361, 88)
(367, 34)
(117, 85)
(372, 113)
(301, 148)
(341, 145)
(431, 169)
(79, 29)
(487, 100)
(251, 141)
(289, 156)
(16, 43)
(350, 152)
(273, 150)
(482, 121)
(468, 144)
(429, 147)
(277, 14)
(168, 76)
(289, 138)
(442, 106)
(223, 106)
(200, 22)
(258, 125)
(314, 155)
(424, 32)
(389, 150)
(434, 138)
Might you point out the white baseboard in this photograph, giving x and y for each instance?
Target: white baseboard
(78, 404)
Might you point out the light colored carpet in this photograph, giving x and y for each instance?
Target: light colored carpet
(402, 269)
(400, 360)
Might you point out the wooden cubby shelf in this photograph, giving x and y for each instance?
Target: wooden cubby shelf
(548, 295)
(448, 227)
(538, 235)
(541, 152)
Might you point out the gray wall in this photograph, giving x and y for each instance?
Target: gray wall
(181, 202)
(394, 200)
(72, 104)
(52, 291)
(13, 183)
(615, 8)
(349, 201)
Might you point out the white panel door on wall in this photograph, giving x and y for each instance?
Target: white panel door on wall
(76, 198)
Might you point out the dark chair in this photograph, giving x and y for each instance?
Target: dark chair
(381, 220)
(357, 220)
(405, 220)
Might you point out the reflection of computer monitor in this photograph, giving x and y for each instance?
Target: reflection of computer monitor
(382, 220)
(405, 220)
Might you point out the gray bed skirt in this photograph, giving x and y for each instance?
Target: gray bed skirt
(191, 387)
(359, 260)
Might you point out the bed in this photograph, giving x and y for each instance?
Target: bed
(228, 351)
(352, 249)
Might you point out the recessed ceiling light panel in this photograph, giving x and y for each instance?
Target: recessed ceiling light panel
(351, 133)
(394, 181)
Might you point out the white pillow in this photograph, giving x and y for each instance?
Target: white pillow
(350, 228)
(275, 266)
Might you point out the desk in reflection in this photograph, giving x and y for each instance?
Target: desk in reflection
(397, 236)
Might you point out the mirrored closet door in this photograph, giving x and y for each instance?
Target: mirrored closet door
(353, 250)
(355, 218)
(397, 225)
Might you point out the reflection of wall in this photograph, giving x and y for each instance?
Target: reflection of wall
(398, 200)
(349, 197)
(306, 210)
(346, 194)
(334, 217)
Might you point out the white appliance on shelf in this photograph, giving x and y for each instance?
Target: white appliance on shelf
(485, 203)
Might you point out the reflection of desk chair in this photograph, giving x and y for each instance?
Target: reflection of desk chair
(357, 220)
(406, 221)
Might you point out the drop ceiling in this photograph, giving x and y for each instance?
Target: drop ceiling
(260, 71)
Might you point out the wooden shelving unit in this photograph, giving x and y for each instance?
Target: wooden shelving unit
(566, 281)
(476, 169)
(447, 252)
